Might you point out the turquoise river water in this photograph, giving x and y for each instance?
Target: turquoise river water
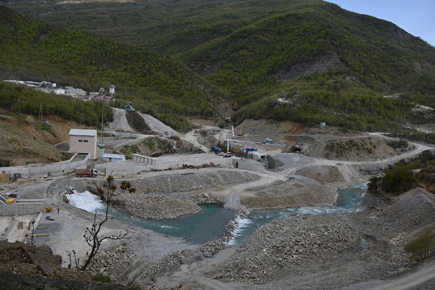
(212, 221)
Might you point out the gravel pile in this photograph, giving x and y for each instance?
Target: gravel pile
(291, 193)
(191, 182)
(154, 207)
(285, 245)
(292, 160)
(363, 246)
(322, 174)
(310, 186)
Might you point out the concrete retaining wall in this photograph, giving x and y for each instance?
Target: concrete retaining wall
(162, 163)
(22, 207)
(249, 164)
(54, 169)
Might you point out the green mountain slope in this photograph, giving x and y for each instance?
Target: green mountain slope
(316, 39)
(32, 50)
(327, 64)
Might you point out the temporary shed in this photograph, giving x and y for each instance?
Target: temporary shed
(83, 141)
(113, 157)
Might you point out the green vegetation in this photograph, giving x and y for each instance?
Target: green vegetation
(25, 100)
(400, 178)
(415, 135)
(339, 148)
(332, 99)
(46, 127)
(155, 84)
(422, 246)
(101, 278)
(128, 150)
(328, 64)
(398, 144)
(149, 144)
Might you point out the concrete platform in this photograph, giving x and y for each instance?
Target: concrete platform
(16, 228)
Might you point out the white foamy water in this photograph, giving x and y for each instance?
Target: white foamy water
(86, 201)
(242, 223)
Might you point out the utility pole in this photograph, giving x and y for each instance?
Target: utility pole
(40, 112)
(228, 141)
(102, 125)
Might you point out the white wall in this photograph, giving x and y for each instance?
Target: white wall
(162, 163)
(54, 169)
(83, 144)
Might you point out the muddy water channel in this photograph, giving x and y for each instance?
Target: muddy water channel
(213, 220)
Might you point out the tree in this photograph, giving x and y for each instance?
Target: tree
(398, 180)
(423, 245)
(92, 234)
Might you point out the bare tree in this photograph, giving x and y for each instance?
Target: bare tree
(92, 238)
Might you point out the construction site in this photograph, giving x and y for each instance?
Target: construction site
(215, 208)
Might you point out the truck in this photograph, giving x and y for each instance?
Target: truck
(86, 172)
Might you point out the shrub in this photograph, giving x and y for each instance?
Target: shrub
(422, 246)
(149, 144)
(398, 180)
(101, 278)
(48, 208)
(373, 185)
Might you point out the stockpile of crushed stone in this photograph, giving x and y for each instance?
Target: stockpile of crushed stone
(192, 181)
(154, 207)
(291, 160)
(310, 186)
(305, 246)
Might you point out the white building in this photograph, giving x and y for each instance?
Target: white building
(83, 141)
(58, 91)
(113, 157)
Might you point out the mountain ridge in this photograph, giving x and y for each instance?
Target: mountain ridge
(251, 52)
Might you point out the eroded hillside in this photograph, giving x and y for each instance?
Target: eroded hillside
(25, 140)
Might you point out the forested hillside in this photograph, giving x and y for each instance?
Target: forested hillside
(32, 50)
(303, 60)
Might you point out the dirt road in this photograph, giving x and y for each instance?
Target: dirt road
(410, 281)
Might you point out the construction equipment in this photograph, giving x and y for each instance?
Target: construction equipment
(103, 93)
(215, 149)
(129, 107)
(86, 172)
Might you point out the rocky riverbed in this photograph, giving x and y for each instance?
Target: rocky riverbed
(304, 251)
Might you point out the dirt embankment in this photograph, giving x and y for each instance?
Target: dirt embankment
(310, 186)
(26, 141)
(137, 122)
(286, 132)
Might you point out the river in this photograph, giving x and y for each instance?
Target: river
(212, 221)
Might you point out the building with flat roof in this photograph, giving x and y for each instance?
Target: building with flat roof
(113, 157)
(83, 141)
